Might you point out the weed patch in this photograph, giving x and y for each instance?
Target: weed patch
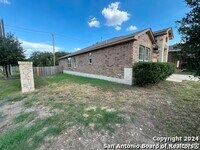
(95, 117)
(24, 117)
(30, 100)
(101, 118)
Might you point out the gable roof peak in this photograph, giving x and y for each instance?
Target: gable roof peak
(164, 31)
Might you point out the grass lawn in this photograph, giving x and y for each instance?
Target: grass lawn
(71, 112)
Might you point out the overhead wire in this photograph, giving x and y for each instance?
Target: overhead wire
(44, 32)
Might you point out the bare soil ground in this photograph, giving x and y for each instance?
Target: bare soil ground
(8, 112)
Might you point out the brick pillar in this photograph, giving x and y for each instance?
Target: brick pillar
(26, 76)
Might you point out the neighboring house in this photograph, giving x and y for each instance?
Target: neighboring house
(113, 59)
(173, 54)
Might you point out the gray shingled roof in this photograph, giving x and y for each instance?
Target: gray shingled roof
(160, 32)
(104, 43)
(112, 41)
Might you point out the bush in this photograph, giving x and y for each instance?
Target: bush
(151, 72)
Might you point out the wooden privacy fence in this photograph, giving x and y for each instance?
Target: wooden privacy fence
(45, 71)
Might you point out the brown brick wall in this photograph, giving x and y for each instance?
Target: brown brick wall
(109, 61)
(112, 60)
(143, 40)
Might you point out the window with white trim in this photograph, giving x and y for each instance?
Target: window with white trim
(69, 62)
(147, 54)
(90, 58)
(141, 53)
(144, 53)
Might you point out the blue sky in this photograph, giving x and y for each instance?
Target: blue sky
(80, 23)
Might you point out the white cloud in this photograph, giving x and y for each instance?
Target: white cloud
(76, 49)
(93, 22)
(30, 47)
(131, 28)
(117, 28)
(5, 1)
(115, 17)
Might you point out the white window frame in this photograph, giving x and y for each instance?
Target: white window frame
(90, 58)
(69, 62)
(141, 53)
(144, 54)
(147, 54)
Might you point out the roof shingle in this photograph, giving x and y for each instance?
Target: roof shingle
(112, 41)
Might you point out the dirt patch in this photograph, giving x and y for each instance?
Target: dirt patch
(9, 111)
(40, 111)
(79, 138)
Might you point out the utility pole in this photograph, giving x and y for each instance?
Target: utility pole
(2, 30)
(7, 70)
(54, 56)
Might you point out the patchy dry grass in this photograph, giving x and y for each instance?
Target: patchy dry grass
(181, 116)
(30, 137)
(23, 138)
(76, 106)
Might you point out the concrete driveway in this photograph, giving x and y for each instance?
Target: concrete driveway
(180, 78)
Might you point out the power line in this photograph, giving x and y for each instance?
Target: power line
(44, 32)
(19, 30)
(39, 32)
(23, 29)
(50, 37)
(26, 29)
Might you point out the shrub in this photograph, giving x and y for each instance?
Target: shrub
(151, 72)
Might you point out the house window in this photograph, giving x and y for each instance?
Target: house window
(141, 53)
(90, 58)
(69, 62)
(74, 62)
(147, 54)
(144, 53)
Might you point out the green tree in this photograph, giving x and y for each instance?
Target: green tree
(41, 58)
(60, 54)
(10, 52)
(189, 28)
(45, 58)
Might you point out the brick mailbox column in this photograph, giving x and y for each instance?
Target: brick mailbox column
(26, 76)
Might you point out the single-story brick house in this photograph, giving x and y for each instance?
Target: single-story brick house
(113, 59)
